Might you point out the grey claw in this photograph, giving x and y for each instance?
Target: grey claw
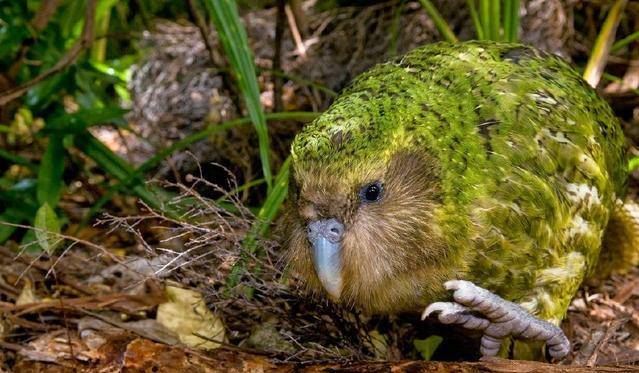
(442, 308)
(455, 313)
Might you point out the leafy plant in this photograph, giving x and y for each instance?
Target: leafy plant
(439, 21)
(46, 227)
(80, 84)
(620, 44)
(233, 37)
(600, 51)
(427, 347)
(70, 90)
(496, 20)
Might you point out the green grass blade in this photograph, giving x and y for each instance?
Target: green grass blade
(84, 118)
(395, 29)
(235, 43)
(616, 47)
(102, 19)
(265, 216)
(506, 9)
(16, 159)
(613, 78)
(601, 49)
(240, 189)
(50, 172)
(495, 20)
(302, 81)
(513, 19)
(270, 207)
(484, 16)
(219, 127)
(475, 17)
(186, 142)
(439, 21)
(121, 170)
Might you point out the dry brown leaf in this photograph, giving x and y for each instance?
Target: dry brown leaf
(27, 295)
(188, 317)
(57, 346)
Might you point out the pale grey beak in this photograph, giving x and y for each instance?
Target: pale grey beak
(326, 238)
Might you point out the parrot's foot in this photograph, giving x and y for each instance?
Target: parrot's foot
(502, 319)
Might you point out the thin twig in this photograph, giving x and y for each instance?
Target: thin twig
(277, 54)
(589, 352)
(297, 37)
(215, 57)
(300, 18)
(65, 321)
(10, 346)
(139, 331)
(205, 32)
(66, 237)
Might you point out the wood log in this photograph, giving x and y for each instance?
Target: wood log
(142, 355)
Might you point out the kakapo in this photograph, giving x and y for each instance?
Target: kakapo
(475, 180)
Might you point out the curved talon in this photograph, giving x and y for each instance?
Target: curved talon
(455, 313)
(443, 307)
(503, 319)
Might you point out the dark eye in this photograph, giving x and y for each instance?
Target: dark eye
(371, 192)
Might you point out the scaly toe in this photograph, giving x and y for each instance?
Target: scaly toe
(501, 319)
(490, 345)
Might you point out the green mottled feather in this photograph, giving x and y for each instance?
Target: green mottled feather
(531, 160)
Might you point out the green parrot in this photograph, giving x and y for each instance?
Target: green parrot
(474, 181)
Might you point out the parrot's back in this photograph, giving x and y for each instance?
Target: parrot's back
(533, 163)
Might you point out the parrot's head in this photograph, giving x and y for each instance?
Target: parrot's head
(363, 194)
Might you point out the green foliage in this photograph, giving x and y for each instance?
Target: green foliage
(88, 92)
(19, 202)
(270, 207)
(50, 172)
(233, 37)
(219, 127)
(427, 347)
(47, 228)
(600, 51)
(439, 21)
(496, 20)
(14, 30)
(620, 44)
(92, 90)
